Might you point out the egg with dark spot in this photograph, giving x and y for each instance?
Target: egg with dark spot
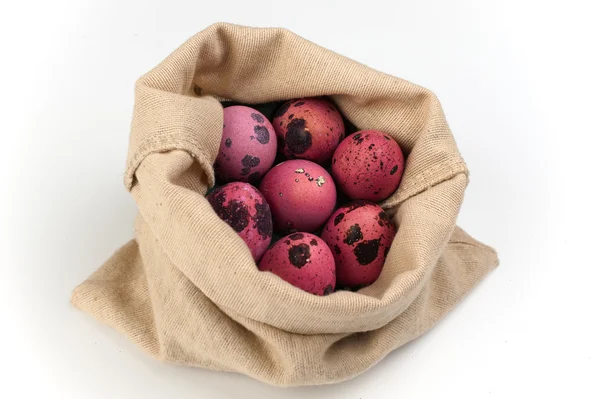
(248, 146)
(368, 165)
(359, 241)
(246, 210)
(303, 260)
(309, 128)
(301, 195)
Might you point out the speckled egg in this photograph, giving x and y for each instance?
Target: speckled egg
(360, 235)
(368, 165)
(301, 195)
(303, 260)
(245, 209)
(309, 128)
(248, 146)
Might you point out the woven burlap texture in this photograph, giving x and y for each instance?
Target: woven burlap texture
(187, 290)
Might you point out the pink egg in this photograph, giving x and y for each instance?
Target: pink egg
(303, 260)
(245, 209)
(248, 146)
(309, 128)
(368, 165)
(301, 195)
(360, 235)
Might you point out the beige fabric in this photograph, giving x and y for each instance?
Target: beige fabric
(187, 290)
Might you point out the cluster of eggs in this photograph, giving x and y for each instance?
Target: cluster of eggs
(326, 247)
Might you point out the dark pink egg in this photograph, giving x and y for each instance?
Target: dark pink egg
(309, 128)
(245, 209)
(359, 235)
(368, 165)
(301, 195)
(303, 260)
(248, 146)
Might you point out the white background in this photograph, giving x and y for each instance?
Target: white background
(519, 84)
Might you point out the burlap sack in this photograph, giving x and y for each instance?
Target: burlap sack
(186, 288)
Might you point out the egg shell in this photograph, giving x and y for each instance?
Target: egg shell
(245, 209)
(248, 146)
(309, 128)
(303, 260)
(301, 195)
(359, 235)
(368, 165)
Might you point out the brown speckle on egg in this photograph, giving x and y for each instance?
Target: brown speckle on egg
(366, 252)
(299, 255)
(297, 138)
(249, 162)
(234, 214)
(263, 219)
(282, 110)
(257, 117)
(358, 138)
(353, 235)
(262, 134)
